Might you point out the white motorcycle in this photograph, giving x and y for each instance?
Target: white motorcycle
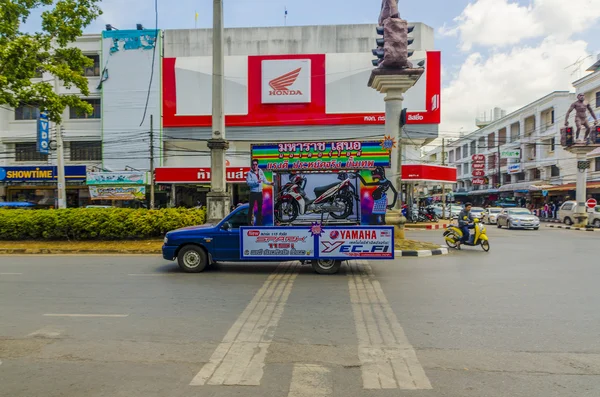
(336, 199)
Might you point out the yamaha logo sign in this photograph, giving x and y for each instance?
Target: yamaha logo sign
(286, 81)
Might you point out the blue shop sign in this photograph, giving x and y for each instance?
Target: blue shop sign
(41, 174)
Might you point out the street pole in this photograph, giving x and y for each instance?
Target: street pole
(60, 159)
(151, 162)
(218, 199)
(443, 184)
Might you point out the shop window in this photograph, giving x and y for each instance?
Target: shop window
(507, 178)
(458, 156)
(77, 114)
(473, 148)
(597, 164)
(451, 156)
(552, 144)
(465, 150)
(552, 117)
(27, 112)
(554, 171)
(28, 152)
(536, 175)
(520, 176)
(86, 151)
(93, 70)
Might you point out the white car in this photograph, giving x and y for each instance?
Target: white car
(490, 215)
(477, 212)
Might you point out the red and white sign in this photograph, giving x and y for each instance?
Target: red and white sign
(478, 173)
(591, 203)
(479, 158)
(478, 166)
(286, 81)
(322, 80)
(197, 175)
(478, 181)
(428, 173)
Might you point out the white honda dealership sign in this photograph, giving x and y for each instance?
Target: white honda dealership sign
(286, 81)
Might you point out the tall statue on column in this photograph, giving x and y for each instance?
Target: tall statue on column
(581, 108)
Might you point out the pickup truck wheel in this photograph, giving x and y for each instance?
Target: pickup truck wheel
(192, 259)
(326, 266)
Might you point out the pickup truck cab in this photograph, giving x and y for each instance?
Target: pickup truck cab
(196, 247)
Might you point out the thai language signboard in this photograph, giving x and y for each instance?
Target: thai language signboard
(314, 156)
(317, 242)
(117, 192)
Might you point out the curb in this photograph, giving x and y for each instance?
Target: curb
(421, 253)
(45, 251)
(572, 228)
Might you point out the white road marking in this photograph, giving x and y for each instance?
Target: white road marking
(240, 357)
(47, 332)
(11, 274)
(311, 381)
(388, 361)
(86, 315)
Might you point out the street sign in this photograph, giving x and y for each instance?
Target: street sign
(478, 166)
(478, 158)
(510, 154)
(478, 181)
(43, 134)
(591, 203)
(478, 173)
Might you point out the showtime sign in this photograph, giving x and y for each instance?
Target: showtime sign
(286, 81)
(292, 90)
(198, 175)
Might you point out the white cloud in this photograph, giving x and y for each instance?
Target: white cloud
(498, 23)
(508, 80)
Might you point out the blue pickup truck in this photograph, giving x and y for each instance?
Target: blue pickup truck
(196, 247)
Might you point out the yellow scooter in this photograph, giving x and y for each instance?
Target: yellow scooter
(453, 236)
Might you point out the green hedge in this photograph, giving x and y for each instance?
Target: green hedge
(94, 223)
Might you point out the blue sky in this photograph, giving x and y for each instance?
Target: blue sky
(503, 53)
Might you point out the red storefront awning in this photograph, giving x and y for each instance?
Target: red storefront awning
(428, 173)
(572, 186)
(197, 175)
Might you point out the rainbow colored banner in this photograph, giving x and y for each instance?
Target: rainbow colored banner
(318, 156)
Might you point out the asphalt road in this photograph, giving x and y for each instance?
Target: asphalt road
(521, 320)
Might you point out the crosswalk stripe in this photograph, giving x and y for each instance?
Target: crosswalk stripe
(240, 357)
(388, 360)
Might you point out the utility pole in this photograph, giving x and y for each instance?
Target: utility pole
(60, 159)
(151, 162)
(443, 184)
(217, 199)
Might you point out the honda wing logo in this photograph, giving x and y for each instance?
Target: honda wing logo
(282, 84)
(286, 80)
(331, 246)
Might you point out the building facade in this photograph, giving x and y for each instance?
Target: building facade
(152, 95)
(520, 155)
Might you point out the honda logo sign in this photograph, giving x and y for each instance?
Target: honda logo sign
(286, 81)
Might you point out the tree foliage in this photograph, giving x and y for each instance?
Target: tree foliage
(23, 55)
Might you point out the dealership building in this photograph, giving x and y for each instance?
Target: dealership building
(153, 95)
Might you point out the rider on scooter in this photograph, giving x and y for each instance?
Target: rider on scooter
(465, 218)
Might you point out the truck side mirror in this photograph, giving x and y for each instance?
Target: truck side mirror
(226, 226)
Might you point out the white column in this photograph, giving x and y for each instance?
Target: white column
(393, 108)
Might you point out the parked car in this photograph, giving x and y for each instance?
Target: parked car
(517, 218)
(477, 212)
(452, 210)
(567, 211)
(490, 215)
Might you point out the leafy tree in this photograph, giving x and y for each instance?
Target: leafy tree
(23, 55)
